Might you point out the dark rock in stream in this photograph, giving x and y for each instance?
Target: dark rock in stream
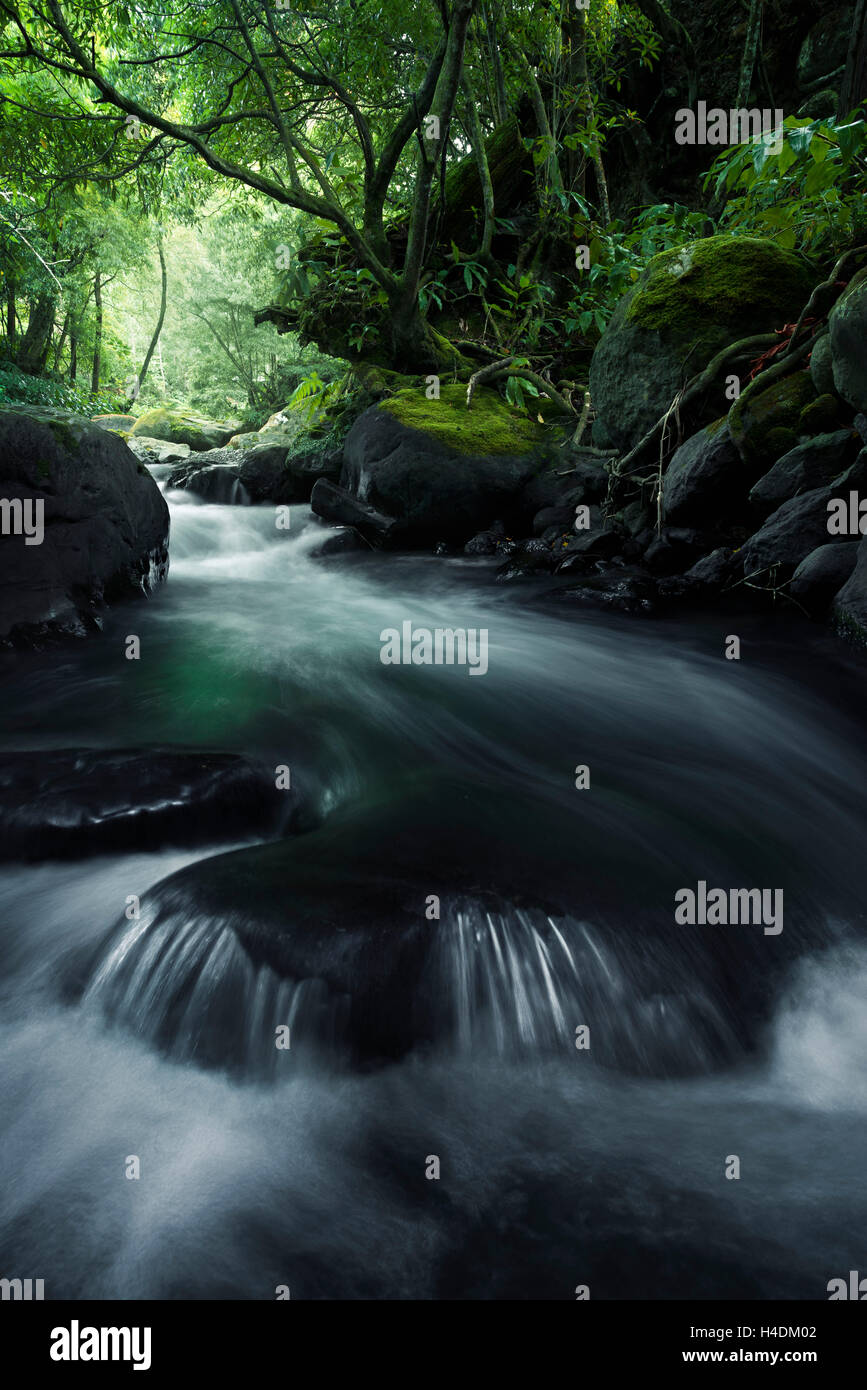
(105, 531)
(333, 930)
(63, 803)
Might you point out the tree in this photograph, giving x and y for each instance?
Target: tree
(140, 379)
(267, 77)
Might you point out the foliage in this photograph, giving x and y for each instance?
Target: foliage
(16, 386)
(802, 185)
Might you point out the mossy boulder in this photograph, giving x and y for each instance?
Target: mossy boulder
(821, 415)
(184, 427)
(688, 304)
(848, 330)
(490, 426)
(764, 424)
(822, 366)
(440, 470)
(118, 424)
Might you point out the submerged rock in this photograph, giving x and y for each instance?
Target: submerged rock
(337, 934)
(62, 803)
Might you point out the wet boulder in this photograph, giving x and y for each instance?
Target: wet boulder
(440, 470)
(152, 451)
(822, 366)
(850, 605)
(64, 803)
(823, 573)
(104, 530)
(340, 507)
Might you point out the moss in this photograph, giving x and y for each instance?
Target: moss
(67, 437)
(174, 426)
(379, 381)
(754, 417)
(490, 426)
(820, 416)
(715, 426)
(739, 284)
(779, 441)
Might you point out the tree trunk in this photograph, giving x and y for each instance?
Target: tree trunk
(477, 137)
(37, 339)
(853, 90)
(97, 336)
(10, 318)
(73, 357)
(501, 111)
(157, 331)
(411, 337)
(58, 350)
(751, 48)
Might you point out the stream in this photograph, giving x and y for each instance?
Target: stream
(560, 1166)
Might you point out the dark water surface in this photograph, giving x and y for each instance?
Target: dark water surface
(559, 1167)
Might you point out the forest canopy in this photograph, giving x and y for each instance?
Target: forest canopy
(203, 202)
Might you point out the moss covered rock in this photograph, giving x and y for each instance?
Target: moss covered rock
(689, 303)
(118, 424)
(823, 414)
(441, 471)
(848, 331)
(490, 426)
(764, 424)
(184, 427)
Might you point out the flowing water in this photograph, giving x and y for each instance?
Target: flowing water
(559, 1165)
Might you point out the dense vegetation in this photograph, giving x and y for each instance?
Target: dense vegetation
(206, 203)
